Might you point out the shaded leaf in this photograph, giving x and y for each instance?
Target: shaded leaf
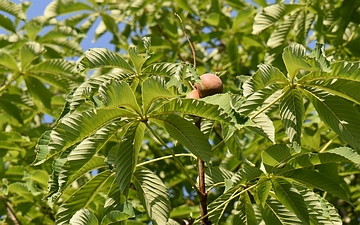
(292, 113)
(290, 197)
(186, 133)
(246, 213)
(339, 114)
(124, 155)
(317, 180)
(82, 197)
(29, 52)
(275, 213)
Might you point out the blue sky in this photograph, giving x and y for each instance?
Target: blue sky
(37, 8)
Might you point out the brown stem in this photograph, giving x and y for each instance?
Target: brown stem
(188, 40)
(203, 194)
(11, 213)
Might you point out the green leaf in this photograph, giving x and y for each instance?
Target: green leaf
(82, 197)
(295, 59)
(339, 114)
(315, 179)
(60, 7)
(290, 197)
(13, 9)
(225, 102)
(320, 210)
(275, 156)
(262, 78)
(153, 89)
(275, 213)
(186, 133)
(73, 128)
(217, 175)
(246, 213)
(278, 36)
(84, 217)
(153, 195)
(217, 207)
(262, 190)
(260, 97)
(343, 80)
(38, 92)
(124, 155)
(110, 23)
(246, 174)
(29, 52)
(11, 109)
(7, 24)
(57, 72)
(347, 153)
(263, 125)
(271, 14)
(81, 159)
(8, 61)
(114, 216)
(117, 94)
(179, 73)
(137, 60)
(193, 107)
(337, 155)
(102, 57)
(84, 94)
(292, 113)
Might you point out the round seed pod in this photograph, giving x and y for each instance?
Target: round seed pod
(193, 94)
(211, 84)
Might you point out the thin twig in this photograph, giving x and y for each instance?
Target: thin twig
(187, 38)
(166, 157)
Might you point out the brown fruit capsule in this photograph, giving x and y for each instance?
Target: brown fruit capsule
(193, 94)
(211, 84)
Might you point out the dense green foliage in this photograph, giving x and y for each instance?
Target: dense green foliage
(281, 145)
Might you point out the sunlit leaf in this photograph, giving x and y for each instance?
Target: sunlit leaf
(295, 59)
(8, 61)
(153, 195)
(136, 58)
(271, 14)
(75, 127)
(102, 57)
(60, 7)
(12, 8)
(84, 217)
(153, 89)
(320, 210)
(343, 80)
